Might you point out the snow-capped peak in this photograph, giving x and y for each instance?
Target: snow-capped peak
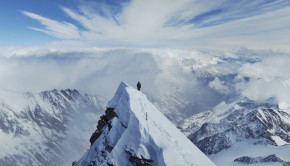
(236, 132)
(39, 128)
(134, 132)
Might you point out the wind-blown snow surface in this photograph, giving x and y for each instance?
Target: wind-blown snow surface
(140, 130)
(46, 128)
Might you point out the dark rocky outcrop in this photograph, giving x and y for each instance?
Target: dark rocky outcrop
(138, 160)
(74, 163)
(104, 121)
(268, 159)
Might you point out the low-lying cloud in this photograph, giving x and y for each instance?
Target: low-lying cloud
(203, 77)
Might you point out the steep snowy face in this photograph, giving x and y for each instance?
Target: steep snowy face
(134, 132)
(260, 123)
(38, 128)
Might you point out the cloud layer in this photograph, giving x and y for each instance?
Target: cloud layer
(205, 77)
(166, 23)
(63, 30)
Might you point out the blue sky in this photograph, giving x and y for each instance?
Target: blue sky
(150, 23)
(14, 31)
(47, 39)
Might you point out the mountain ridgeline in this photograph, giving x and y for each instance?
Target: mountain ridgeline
(54, 127)
(133, 132)
(40, 128)
(249, 129)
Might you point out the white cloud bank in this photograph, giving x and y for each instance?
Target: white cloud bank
(167, 23)
(203, 76)
(269, 78)
(219, 86)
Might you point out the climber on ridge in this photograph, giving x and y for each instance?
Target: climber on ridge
(139, 86)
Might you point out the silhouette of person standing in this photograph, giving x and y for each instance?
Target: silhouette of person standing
(138, 86)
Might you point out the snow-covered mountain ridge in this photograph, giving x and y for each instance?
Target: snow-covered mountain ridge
(35, 127)
(230, 124)
(134, 132)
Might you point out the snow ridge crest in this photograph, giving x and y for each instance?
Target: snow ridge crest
(134, 132)
(115, 100)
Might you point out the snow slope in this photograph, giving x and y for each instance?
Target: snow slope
(140, 135)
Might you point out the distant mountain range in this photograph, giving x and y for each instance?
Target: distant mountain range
(244, 131)
(54, 128)
(47, 128)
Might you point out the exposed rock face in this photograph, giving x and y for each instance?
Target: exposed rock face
(138, 160)
(230, 123)
(37, 125)
(105, 121)
(268, 159)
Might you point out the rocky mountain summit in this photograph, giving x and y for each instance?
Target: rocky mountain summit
(133, 132)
